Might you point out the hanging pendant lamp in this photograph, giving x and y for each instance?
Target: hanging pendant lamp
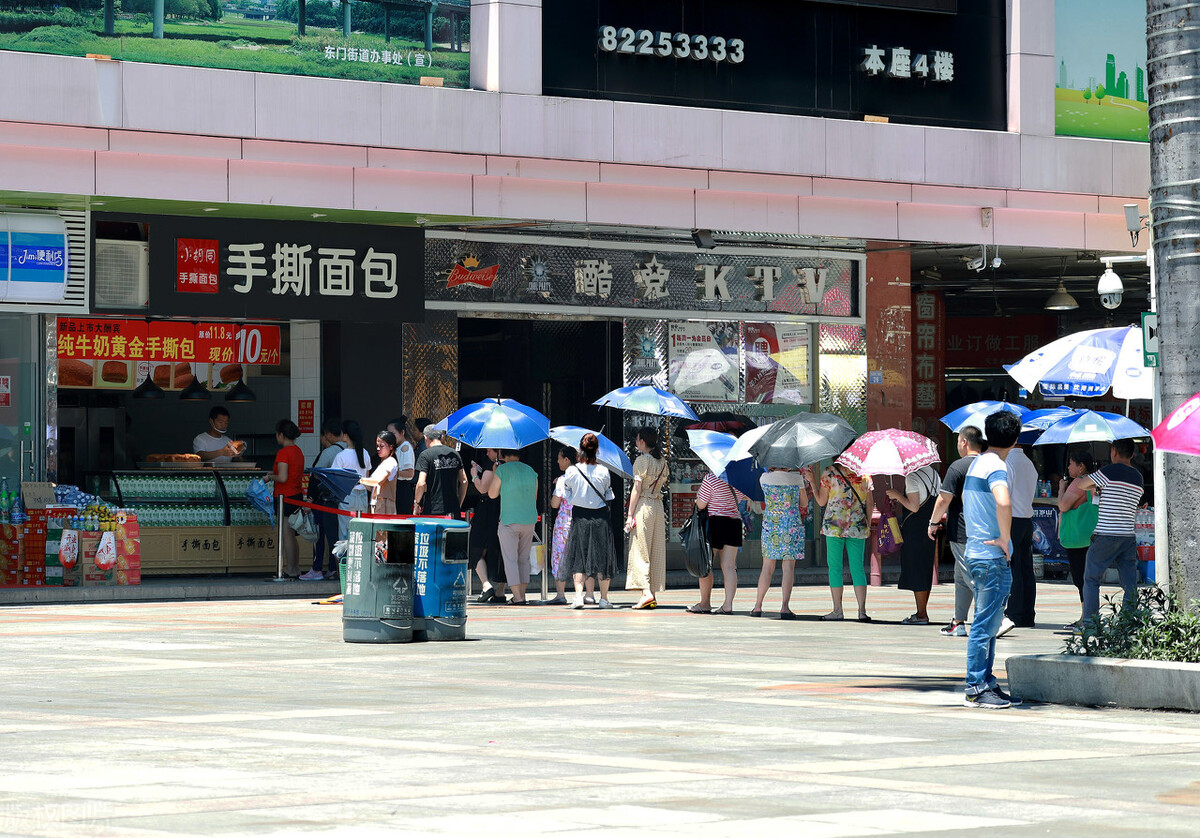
(195, 392)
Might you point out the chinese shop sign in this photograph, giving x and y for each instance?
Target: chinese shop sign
(929, 359)
(250, 268)
(305, 419)
(234, 343)
(992, 342)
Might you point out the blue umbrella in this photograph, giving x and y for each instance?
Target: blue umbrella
(646, 399)
(975, 413)
(339, 481)
(610, 455)
(1036, 421)
(1091, 426)
(497, 423)
(713, 448)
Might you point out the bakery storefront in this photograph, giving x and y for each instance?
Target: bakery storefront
(760, 332)
(195, 314)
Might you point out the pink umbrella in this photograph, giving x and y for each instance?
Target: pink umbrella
(1180, 432)
(890, 451)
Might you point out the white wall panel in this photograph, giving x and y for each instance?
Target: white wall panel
(548, 126)
(50, 88)
(69, 171)
(439, 119)
(1053, 201)
(773, 143)
(839, 216)
(533, 167)
(1033, 228)
(390, 190)
(862, 190)
(611, 203)
(427, 161)
(667, 136)
(1131, 169)
(317, 110)
(943, 223)
(754, 182)
(184, 145)
(959, 195)
(316, 154)
(162, 176)
(1031, 94)
(747, 211)
(1108, 232)
(1066, 164)
(972, 158)
(506, 45)
(874, 151)
(510, 197)
(654, 176)
(53, 136)
(161, 97)
(291, 184)
(1032, 27)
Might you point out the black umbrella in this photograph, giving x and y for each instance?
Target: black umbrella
(802, 440)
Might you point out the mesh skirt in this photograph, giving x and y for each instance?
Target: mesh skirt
(590, 545)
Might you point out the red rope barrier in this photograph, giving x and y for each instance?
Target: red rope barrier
(350, 514)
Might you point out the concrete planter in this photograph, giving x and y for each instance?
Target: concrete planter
(1071, 679)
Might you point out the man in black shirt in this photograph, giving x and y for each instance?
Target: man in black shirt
(441, 478)
(970, 444)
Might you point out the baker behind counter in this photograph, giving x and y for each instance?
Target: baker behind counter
(212, 445)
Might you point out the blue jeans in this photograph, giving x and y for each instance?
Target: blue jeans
(327, 531)
(1105, 550)
(992, 579)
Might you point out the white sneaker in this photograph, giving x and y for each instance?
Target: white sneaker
(577, 605)
(955, 629)
(1006, 625)
(604, 604)
(312, 576)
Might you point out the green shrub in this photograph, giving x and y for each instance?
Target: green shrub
(1154, 627)
(12, 21)
(59, 37)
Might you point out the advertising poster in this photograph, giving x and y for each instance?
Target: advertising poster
(1045, 534)
(777, 363)
(261, 36)
(704, 362)
(1100, 87)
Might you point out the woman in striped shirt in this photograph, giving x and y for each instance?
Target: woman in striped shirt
(725, 536)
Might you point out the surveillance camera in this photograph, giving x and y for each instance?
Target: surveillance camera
(1110, 288)
(975, 264)
(1133, 219)
(997, 262)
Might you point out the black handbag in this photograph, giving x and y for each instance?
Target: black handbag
(697, 553)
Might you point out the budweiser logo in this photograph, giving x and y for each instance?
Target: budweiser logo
(469, 273)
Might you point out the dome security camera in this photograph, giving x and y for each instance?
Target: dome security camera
(1110, 288)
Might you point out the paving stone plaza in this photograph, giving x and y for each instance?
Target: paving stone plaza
(253, 717)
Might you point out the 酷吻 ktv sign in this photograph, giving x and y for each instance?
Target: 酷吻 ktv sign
(280, 270)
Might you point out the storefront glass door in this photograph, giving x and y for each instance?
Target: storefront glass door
(21, 408)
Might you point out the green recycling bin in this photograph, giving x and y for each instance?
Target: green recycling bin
(405, 580)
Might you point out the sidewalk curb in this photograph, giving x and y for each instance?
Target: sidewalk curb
(1072, 679)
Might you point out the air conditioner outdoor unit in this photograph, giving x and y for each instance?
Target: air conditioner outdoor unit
(122, 273)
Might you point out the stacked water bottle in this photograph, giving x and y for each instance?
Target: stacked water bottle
(12, 509)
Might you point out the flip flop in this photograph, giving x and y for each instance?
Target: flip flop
(833, 617)
(720, 611)
(865, 619)
(696, 609)
(755, 613)
(914, 620)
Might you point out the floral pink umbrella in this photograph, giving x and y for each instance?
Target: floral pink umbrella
(1180, 432)
(890, 451)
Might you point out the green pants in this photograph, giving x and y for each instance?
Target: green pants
(855, 547)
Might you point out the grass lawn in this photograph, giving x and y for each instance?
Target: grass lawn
(258, 46)
(1114, 119)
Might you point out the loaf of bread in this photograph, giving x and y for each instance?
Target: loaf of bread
(162, 375)
(183, 375)
(173, 458)
(231, 373)
(75, 373)
(115, 372)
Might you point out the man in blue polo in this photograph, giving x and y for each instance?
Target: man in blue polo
(987, 510)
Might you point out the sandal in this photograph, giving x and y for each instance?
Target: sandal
(696, 609)
(914, 620)
(723, 611)
(756, 613)
(834, 615)
(787, 615)
(646, 604)
(865, 619)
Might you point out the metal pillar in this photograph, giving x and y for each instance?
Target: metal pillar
(346, 18)
(159, 14)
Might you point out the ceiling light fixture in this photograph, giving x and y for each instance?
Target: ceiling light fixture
(195, 392)
(148, 389)
(1060, 300)
(241, 393)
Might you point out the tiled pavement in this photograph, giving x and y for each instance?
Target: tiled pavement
(251, 717)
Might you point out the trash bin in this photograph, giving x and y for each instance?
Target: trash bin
(405, 579)
(440, 579)
(377, 606)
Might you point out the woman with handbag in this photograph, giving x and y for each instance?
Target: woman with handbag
(916, 553)
(725, 531)
(287, 475)
(784, 513)
(484, 550)
(567, 457)
(382, 481)
(1077, 521)
(646, 523)
(846, 526)
(587, 487)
